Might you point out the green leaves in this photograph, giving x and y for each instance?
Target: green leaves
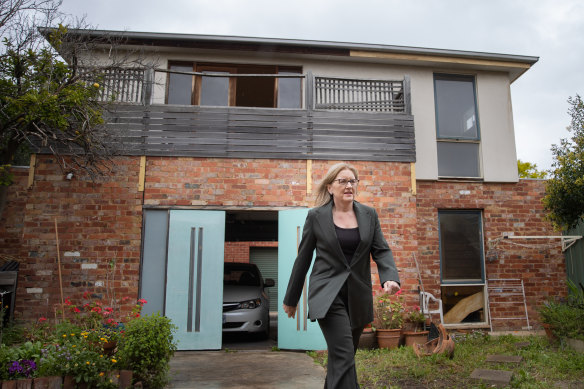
(564, 197)
(146, 348)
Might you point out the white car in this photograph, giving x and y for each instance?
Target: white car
(245, 302)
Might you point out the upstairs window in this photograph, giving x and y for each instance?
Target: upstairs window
(253, 91)
(457, 126)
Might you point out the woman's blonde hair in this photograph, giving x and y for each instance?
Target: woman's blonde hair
(322, 194)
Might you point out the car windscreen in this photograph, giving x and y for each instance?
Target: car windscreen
(241, 276)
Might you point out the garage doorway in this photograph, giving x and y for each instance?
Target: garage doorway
(183, 251)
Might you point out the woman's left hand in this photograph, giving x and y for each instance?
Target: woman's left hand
(390, 287)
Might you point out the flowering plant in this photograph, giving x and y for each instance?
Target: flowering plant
(389, 311)
(23, 368)
(416, 317)
(93, 314)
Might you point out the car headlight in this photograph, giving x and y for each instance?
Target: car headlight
(250, 304)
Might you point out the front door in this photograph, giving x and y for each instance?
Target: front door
(194, 282)
(299, 333)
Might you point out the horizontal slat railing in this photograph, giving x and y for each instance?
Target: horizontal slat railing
(166, 130)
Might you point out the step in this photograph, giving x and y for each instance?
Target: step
(504, 358)
(499, 378)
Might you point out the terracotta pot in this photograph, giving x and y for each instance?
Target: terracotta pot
(109, 348)
(388, 338)
(368, 340)
(415, 337)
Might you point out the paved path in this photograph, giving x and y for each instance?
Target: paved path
(244, 369)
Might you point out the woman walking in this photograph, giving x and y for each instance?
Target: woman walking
(345, 234)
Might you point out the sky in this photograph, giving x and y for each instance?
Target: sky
(551, 30)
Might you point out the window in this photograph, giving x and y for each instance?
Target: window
(457, 126)
(462, 267)
(242, 91)
(461, 246)
(180, 86)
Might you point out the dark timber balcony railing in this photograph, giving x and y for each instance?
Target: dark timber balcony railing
(343, 119)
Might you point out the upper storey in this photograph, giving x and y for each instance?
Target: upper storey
(448, 111)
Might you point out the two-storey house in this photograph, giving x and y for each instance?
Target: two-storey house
(221, 142)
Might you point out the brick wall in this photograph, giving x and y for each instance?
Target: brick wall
(12, 216)
(99, 225)
(513, 209)
(239, 251)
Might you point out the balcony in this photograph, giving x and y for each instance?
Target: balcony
(336, 119)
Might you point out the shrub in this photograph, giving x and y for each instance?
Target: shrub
(566, 319)
(146, 348)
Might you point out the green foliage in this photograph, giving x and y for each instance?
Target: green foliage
(566, 318)
(46, 101)
(529, 170)
(543, 366)
(146, 348)
(564, 197)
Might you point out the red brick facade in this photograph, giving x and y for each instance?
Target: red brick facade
(507, 209)
(101, 223)
(239, 251)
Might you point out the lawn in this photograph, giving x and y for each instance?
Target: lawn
(544, 365)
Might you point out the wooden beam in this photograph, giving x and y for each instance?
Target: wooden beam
(465, 306)
(439, 58)
(142, 176)
(31, 170)
(413, 177)
(308, 176)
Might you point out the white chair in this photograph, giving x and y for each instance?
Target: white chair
(426, 297)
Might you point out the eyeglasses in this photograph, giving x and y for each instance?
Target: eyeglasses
(344, 181)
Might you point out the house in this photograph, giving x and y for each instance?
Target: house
(222, 141)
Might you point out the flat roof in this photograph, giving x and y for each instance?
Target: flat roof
(514, 64)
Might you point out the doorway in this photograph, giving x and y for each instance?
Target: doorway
(182, 271)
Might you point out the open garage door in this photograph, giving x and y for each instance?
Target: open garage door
(299, 333)
(194, 282)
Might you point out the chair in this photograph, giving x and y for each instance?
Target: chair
(425, 298)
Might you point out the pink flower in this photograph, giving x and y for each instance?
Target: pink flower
(142, 301)
(77, 310)
(67, 302)
(42, 319)
(398, 292)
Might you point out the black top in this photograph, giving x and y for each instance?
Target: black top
(349, 240)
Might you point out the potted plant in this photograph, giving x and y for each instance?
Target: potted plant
(368, 338)
(415, 333)
(389, 319)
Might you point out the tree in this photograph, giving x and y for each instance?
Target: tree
(529, 170)
(49, 93)
(564, 197)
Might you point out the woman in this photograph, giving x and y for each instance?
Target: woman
(344, 233)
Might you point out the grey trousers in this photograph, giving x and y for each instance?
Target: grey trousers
(342, 342)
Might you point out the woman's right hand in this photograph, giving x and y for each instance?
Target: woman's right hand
(290, 311)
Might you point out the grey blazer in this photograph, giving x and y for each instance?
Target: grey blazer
(331, 270)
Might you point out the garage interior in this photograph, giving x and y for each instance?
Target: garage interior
(252, 236)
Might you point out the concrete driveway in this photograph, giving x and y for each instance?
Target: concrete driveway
(244, 369)
(245, 362)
